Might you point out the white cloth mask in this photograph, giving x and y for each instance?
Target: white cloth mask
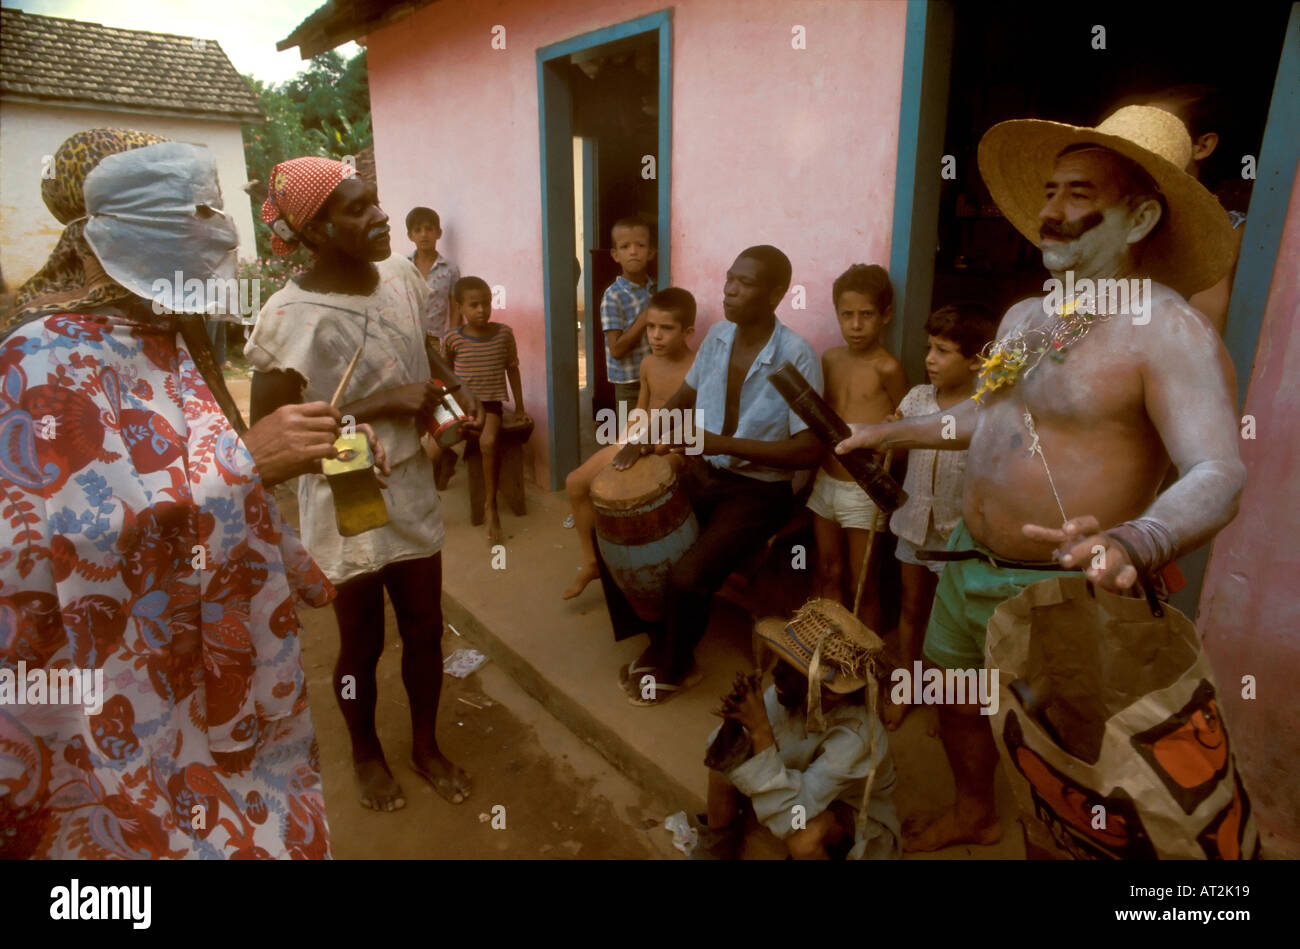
(155, 223)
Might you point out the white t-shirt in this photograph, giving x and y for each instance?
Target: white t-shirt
(934, 479)
(313, 335)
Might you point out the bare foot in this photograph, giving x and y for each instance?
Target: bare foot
(450, 782)
(893, 714)
(379, 790)
(936, 831)
(586, 574)
(495, 533)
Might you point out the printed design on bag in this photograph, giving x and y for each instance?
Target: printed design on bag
(1066, 808)
(1189, 750)
(1223, 837)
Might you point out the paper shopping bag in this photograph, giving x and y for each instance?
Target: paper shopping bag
(1109, 728)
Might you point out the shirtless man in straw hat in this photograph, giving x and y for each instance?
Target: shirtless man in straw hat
(1086, 397)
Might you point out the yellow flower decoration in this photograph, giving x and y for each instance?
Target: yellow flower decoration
(999, 368)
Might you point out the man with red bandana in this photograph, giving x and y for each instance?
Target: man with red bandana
(359, 297)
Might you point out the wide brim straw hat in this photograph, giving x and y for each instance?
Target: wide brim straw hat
(848, 648)
(1192, 249)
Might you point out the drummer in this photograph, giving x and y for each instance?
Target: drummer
(752, 446)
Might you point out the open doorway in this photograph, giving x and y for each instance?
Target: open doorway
(604, 101)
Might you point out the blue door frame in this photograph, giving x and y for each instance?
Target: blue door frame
(927, 57)
(555, 122)
(591, 227)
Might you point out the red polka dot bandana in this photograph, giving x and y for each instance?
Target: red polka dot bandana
(299, 188)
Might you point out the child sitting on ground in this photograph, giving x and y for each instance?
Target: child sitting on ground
(483, 354)
(864, 382)
(955, 335)
(819, 778)
(670, 322)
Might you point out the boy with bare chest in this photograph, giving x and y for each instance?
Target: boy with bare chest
(670, 322)
(864, 383)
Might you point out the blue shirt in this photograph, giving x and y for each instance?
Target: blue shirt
(622, 303)
(764, 415)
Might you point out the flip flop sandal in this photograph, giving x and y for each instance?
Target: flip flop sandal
(631, 673)
(663, 691)
(456, 787)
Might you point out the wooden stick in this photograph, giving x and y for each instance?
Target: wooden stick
(347, 377)
(871, 545)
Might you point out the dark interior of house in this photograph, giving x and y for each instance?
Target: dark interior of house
(615, 103)
(1022, 60)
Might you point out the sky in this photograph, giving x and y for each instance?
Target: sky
(246, 29)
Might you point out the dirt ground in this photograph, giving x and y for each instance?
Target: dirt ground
(561, 799)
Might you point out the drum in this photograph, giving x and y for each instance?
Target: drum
(644, 523)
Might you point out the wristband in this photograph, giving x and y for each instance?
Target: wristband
(1147, 542)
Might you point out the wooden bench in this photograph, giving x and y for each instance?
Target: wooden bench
(510, 485)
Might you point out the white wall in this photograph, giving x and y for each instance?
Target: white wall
(28, 232)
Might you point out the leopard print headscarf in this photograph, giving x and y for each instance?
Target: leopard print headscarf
(62, 191)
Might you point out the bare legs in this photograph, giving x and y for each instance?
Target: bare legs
(918, 585)
(869, 610)
(415, 588)
(973, 757)
(578, 487)
(832, 583)
(487, 443)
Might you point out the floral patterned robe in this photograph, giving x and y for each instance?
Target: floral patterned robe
(137, 538)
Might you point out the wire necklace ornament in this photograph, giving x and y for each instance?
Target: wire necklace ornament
(1006, 360)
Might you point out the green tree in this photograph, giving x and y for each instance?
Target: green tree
(334, 96)
(324, 110)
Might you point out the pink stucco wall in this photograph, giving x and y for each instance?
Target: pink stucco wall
(1249, 613)
(771, 144)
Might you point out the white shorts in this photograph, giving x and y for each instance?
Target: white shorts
(905, 551)
(845, 503)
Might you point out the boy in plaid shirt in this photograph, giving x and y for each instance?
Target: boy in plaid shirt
(623, 309)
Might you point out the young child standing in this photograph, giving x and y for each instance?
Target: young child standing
(438, 316)
(483, 354)
(670, 323)
(864, 382)
(623, 308)
(955, 335)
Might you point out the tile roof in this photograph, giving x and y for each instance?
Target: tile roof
(71, 62)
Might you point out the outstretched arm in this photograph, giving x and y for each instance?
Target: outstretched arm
(921, 431)
(287, 438)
